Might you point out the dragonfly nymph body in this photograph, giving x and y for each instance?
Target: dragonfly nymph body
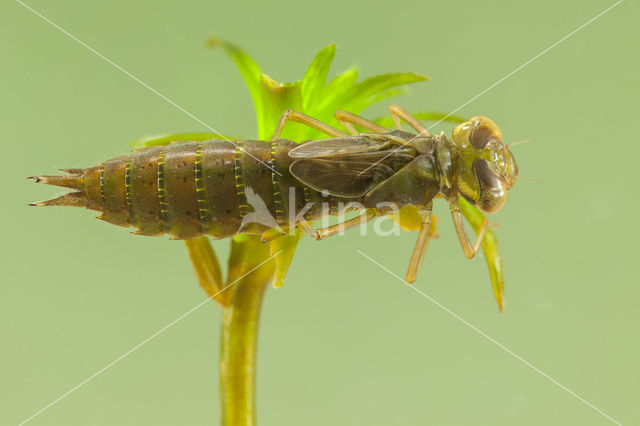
(220, 188)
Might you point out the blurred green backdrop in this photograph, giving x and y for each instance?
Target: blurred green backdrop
(343, 342)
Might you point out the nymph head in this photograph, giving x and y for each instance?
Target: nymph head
(487, 166)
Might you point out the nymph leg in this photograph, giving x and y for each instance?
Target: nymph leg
(298, 117)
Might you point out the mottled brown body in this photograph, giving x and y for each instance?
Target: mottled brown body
(191, 189)
(221, 188)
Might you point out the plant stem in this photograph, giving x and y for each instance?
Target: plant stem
(238, 353)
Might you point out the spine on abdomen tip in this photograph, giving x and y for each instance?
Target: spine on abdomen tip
(191, 189)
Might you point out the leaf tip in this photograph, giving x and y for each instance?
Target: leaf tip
(277, 282)
(421, 77)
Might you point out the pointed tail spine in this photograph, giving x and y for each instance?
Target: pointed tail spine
(74, 179)
(85, 184)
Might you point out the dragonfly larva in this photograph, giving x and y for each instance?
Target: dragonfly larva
(220, 188)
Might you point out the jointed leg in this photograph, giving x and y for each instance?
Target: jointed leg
(298, 117)
(469, 250)
(348, 120)
(396, 121)
(350, 128)
(421, 244)
(329, 231)
(398, 113)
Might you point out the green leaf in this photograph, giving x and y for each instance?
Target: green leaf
(250, 72)
(358, 97)
(386, 95)
(318, 110)
(277, 98)
(207, 268)
(408, 218)
(336, 89)
(490, 249)
(316, 76)
(247, 252)
(285, 246)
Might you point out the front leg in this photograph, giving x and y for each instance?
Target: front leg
(469, 250)
(348, 120)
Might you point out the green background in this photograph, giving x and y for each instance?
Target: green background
(343, 342)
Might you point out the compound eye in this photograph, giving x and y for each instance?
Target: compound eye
(481, 137)
(483, 132)
(492, 191)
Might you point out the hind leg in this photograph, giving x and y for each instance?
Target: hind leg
(469, 250)
(348, 120)
(398, 113)
(298, 117)
(322, 233)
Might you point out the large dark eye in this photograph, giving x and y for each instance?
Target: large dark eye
(484, 131)
(492, 191)
(481, 136)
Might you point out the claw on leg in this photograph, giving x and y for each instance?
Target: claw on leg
(421, 246)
